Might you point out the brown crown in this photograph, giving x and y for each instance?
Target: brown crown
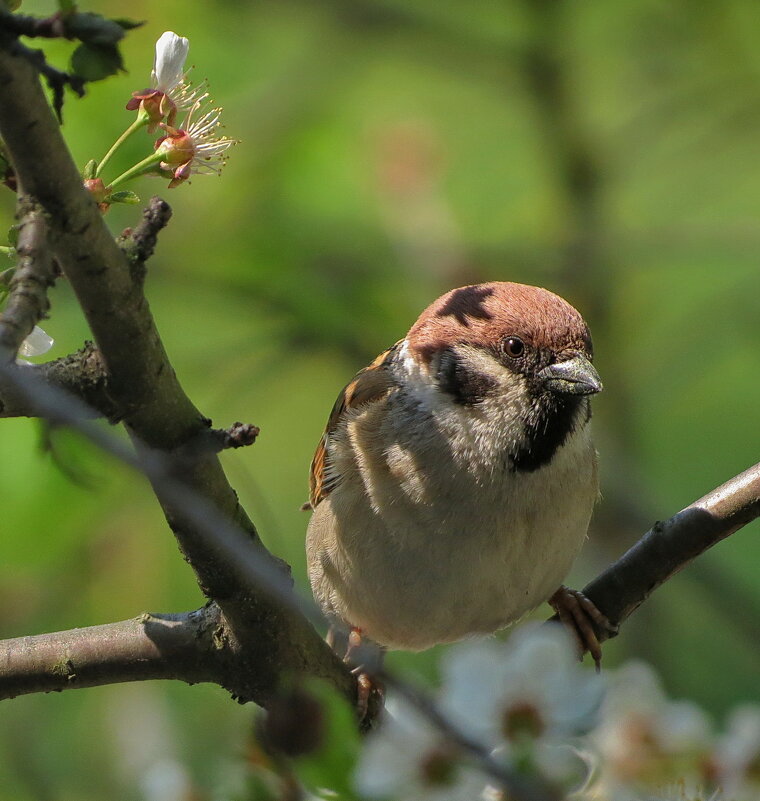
(483, 314)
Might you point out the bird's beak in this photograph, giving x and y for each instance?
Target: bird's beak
(575, 376)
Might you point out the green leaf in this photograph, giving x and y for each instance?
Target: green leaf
(90, 170)
(128, 24)
(13, 236)
(332, 764)
(93, 29)
(67, 6)
(94, 62)
(124, 196)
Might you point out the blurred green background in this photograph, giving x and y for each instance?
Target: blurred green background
(390, 150)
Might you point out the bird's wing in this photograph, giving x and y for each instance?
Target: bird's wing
(368, 385)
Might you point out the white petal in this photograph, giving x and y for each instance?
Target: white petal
(683, 726)
(475, 674)
(536, 666)
(391, 755)
(37, 343)
(169, 64)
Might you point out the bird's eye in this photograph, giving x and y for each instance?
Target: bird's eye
(514, 347)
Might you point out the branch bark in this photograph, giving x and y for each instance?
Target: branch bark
(82, 374)
(180, 647)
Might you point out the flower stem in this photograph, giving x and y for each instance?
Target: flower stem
(142, 166)
(140, 122)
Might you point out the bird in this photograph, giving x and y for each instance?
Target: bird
(454, 483)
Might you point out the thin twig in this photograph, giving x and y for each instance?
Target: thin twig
(93, 661)
(138, 244)
(669, 546)
(27, 302)
(52, 27)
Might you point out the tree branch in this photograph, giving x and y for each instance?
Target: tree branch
(138, 244)
(82, 374)
(27, 303)
(155, 408)
(272, 638)
(146, 647)
(669, 546)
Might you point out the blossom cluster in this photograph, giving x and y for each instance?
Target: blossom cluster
(192, 146)
(195, 145)
(530, 706)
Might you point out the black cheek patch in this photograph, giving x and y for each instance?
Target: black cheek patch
(551, 422)
(465, 385)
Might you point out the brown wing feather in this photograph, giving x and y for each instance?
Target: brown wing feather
(368, 385)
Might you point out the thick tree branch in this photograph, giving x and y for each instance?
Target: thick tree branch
(83, 374)
(155, 408)
(146, 647)
(257, 673)
(669, 546)
(156, 411)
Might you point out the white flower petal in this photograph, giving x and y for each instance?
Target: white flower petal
(37, 343)
(169, 64)
(738, 749)
(391, 763)
(537, 667)
(683, 726)
(391, 754)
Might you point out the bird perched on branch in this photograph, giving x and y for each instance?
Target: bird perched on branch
(453, 486)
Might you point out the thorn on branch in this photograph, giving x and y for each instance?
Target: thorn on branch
(238, 435)
(139, 243)
(215, 440)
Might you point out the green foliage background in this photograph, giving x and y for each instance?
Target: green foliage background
(392, 149)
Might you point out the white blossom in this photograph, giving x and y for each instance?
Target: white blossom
(171, 93)
(197, 147)
(169, 64)
(647, 742)
(409, 760)
(737, 755)
(532, 686)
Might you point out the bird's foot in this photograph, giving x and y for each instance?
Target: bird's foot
(370, 697)
(354, 644)
(581, 616)
(365, 658)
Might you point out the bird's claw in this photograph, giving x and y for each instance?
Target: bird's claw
(364, 657)
(582, 617)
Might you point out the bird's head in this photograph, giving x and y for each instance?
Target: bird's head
(518, 349)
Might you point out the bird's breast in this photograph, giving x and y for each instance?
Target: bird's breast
(421, 543)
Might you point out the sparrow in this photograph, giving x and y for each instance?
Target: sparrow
(453, 486)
